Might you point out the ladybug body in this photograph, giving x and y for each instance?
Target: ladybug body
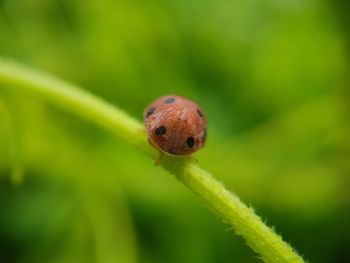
(175, 125)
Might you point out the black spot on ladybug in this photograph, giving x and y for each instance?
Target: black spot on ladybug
(150, 112)
(200, 113)
(160, 130)
(204, 134)
(190, 142)
(169, 100)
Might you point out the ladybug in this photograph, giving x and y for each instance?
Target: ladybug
(175, 125)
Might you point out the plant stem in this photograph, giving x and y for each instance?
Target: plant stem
(262, 239)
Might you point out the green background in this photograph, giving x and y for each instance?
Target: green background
(272, 78)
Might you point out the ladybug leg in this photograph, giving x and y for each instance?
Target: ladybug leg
(161, 154)
(159, 159)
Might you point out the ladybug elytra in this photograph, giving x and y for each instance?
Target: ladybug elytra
(175, 125)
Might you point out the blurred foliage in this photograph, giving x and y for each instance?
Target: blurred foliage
(272, 78)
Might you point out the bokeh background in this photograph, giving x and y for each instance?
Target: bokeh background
(272, 77)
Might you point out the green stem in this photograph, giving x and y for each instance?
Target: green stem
(262, 239)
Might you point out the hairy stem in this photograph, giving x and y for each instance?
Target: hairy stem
(262, 239)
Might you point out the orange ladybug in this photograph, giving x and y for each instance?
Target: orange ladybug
(175, 125)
